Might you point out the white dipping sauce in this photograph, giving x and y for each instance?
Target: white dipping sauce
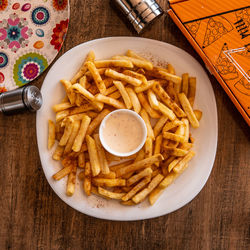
(122, 132)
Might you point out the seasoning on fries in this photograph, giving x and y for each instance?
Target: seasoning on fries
(165, 102)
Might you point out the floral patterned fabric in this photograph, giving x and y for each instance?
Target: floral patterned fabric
(31, 35)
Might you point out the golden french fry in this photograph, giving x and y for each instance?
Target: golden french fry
(67, 132)
(144, 102)
(97, 121)
(122, 77)
(83, 68)
(191, 90)
(154, 195)
(134, 100)
(81, 160)
(151, 186)
(139, 165)
(62, 106)
(150, 132)
(58, 153)
(108, 182)
(159, 125)
(67, 86)
(140, 175)
(170, 77)
(174, 137)
(83, 82)
(120, 165)
(115, 95)
(70, 142)
(169, 179)
(81, 133)
(128, 203)
(113, 63)
(137, 62)
(186, 145)
(174, 151)
(111, 90)
(140, 155)
(152, 99)
(136, 188)
(84, 92)
(181, 164)
(173, 164)
(146, 86)
(62, 114)
(65, 99)
(51, 134)
(108, 81)
(110, 101)
(110, 194)
(101, 155)
(162, 94)
(89, 76)
(110, 175)
(185, 83)
(81, 176)
(171, 69)
(94, 160)
(131, 53)
(135, 75)
(171, 92)
(111, 157)
(63, 172)
(96, 76)
(186, 128)
(92, 114)
(124, 94)
(87, 187)
(172, 124)
(157, 149)
(188, 110)
(71, 181)
(198, 114)
(166, 111)
(148, 147)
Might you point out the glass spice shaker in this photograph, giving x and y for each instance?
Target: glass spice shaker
(140, 13)
(21, 99)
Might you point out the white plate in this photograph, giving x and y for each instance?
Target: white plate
(188, 185)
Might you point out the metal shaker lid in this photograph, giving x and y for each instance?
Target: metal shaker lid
(32, 98)
(139, 12)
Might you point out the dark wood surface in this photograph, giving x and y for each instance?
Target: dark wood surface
(33, 217)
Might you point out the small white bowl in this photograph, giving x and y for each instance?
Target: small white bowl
(142, 124)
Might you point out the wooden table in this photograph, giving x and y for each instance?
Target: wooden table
(33, 217)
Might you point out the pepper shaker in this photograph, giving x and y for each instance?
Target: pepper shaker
(21, 99)
(139, 12)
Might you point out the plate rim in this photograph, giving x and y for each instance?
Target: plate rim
(196, 192)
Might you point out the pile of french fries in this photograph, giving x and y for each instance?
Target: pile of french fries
(124, 82)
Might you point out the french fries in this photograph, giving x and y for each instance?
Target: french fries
(93, 156)
(81, 133)
(163, 100)
(124, 94)
(188, 109)
(52, 134)
(134, 100)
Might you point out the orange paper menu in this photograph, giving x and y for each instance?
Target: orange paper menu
(220, 32)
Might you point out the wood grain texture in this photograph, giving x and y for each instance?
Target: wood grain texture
(33, 217)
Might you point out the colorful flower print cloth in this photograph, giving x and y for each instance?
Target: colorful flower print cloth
(31, 35)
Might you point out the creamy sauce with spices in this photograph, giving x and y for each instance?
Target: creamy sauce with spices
(122, 132)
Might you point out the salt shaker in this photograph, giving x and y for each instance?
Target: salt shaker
(21, 99)
(139, 12)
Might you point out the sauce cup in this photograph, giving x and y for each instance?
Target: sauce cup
(123, 132)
